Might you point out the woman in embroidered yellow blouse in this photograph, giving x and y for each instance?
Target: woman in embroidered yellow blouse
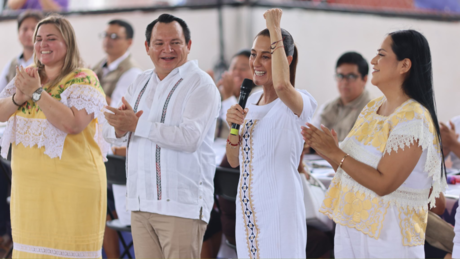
(54, 112)
(389, 167)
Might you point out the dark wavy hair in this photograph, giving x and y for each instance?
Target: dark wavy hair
(289, 48)
(418, 84)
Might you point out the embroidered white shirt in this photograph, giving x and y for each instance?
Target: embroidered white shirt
(170, 162)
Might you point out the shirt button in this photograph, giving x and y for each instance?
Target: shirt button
(167, 200)
(200, 197)
(201, 183)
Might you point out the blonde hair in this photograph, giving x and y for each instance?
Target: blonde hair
(72, 59)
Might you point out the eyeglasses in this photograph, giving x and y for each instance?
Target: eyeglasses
(350, 77)
(112, 36)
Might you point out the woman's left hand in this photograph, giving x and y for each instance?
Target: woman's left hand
(323, 141)
(27, 80)
(273, 18)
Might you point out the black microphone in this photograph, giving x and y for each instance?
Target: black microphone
(246, 88)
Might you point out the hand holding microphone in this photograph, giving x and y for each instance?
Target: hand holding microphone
(237, 113)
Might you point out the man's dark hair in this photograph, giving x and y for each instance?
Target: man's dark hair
(243, 52)
(29, 14)
(167, 18)
(128, 28)
(356, 59)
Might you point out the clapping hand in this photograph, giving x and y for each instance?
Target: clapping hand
(324, 141)
(27, 82)
(449, 137)
(123, 119)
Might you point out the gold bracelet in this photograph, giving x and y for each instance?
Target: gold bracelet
(343, 159)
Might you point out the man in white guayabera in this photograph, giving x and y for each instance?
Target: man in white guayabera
(168, 118)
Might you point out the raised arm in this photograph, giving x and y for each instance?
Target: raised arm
(280, 64)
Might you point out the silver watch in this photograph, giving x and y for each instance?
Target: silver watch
(37, 94)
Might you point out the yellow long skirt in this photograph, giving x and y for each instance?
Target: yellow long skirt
(58, 206)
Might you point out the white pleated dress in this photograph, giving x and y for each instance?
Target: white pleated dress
(270, 212)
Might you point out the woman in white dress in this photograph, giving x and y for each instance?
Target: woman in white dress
(270, 213)
(390, 167)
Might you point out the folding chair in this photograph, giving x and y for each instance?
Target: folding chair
(116, 174)
(226, 182)
(226, 186)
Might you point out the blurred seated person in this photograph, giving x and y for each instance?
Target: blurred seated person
(229, 87)
(117, 70)
(45, 5)
(26, 27)
(431, 251)
(341, 113)
(451, 141)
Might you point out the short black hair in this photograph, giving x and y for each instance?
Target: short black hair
(354, 58)
(243, 52)
(167, 18)
(29, 14)
(128, 28)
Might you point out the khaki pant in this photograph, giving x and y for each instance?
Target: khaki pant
(160, 236)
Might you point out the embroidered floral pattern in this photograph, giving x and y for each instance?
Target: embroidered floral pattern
(413, 226)
(354, 209)
(351, 204)
(246, 199)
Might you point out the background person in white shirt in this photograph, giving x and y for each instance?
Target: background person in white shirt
(168, 118)
(26, 26)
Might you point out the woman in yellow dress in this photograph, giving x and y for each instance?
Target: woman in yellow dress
(54, 112)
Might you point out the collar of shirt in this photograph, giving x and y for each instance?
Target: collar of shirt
(23, 62)
(182, 70)
(114, 64)
(355, 103)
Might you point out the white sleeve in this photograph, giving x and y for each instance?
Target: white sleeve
(226, 104)
(3, 80)
(309, 107)
(122, 85)
(316, 121)
(197, 118)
